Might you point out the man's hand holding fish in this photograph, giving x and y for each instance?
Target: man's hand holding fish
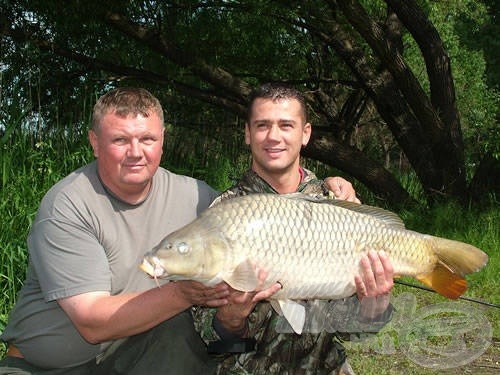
(233, 316)
(374, 285)
(198, 294)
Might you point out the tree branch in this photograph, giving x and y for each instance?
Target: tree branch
(166, 47)
(322, 146)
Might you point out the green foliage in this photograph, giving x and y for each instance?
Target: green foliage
(385, 352)
(197, 151)
(208, 47)
(239, 26)
(478, 227)
(461, 25)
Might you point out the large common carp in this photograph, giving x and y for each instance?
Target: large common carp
(312, 247)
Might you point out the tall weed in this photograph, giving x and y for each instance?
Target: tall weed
(29, 168)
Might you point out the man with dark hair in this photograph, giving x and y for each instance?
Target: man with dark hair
(276, 129)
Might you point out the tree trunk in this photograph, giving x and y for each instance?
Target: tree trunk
(449, 151)
(486, 180)
(436, 137)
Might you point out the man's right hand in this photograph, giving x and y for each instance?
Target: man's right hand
(199, 294)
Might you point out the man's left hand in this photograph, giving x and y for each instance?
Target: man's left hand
(342, 189)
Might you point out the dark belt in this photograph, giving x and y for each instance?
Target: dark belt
(12, 351)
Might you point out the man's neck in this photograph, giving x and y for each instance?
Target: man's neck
(130, 196)
(283, 183)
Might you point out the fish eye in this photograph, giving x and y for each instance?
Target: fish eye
(183, 248)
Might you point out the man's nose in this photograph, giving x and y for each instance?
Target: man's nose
(135, 149)
(273, 132)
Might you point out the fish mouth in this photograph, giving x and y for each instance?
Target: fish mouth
(153, 268)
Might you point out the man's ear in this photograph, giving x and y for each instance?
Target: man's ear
(306, 134)
(93, 142)
(247, 133)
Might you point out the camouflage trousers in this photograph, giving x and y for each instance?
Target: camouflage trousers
(277, 352)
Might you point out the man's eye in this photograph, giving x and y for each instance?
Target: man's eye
(148, 140)
(120, 141)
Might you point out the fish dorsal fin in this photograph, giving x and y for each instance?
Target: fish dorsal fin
(244, 277)
(389, 218)
(294, 313)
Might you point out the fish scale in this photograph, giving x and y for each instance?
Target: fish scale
(312, 247)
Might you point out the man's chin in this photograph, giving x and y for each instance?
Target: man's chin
(276, 165)
(138, 179)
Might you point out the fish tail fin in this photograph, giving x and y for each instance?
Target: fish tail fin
(455, 260)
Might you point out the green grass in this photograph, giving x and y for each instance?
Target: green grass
(30, 167)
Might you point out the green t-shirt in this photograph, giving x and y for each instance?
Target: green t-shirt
(84, 239)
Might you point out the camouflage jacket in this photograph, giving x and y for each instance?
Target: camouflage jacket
(251, 183)
(278, 349)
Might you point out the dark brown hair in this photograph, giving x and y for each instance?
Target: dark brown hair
(275, 92)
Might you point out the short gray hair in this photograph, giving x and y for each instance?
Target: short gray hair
(126, 101)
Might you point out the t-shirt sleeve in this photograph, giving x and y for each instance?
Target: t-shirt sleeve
(67, 257)
(207, 195)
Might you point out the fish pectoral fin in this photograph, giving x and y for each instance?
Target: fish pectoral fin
(294, 313)
(244, 277)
